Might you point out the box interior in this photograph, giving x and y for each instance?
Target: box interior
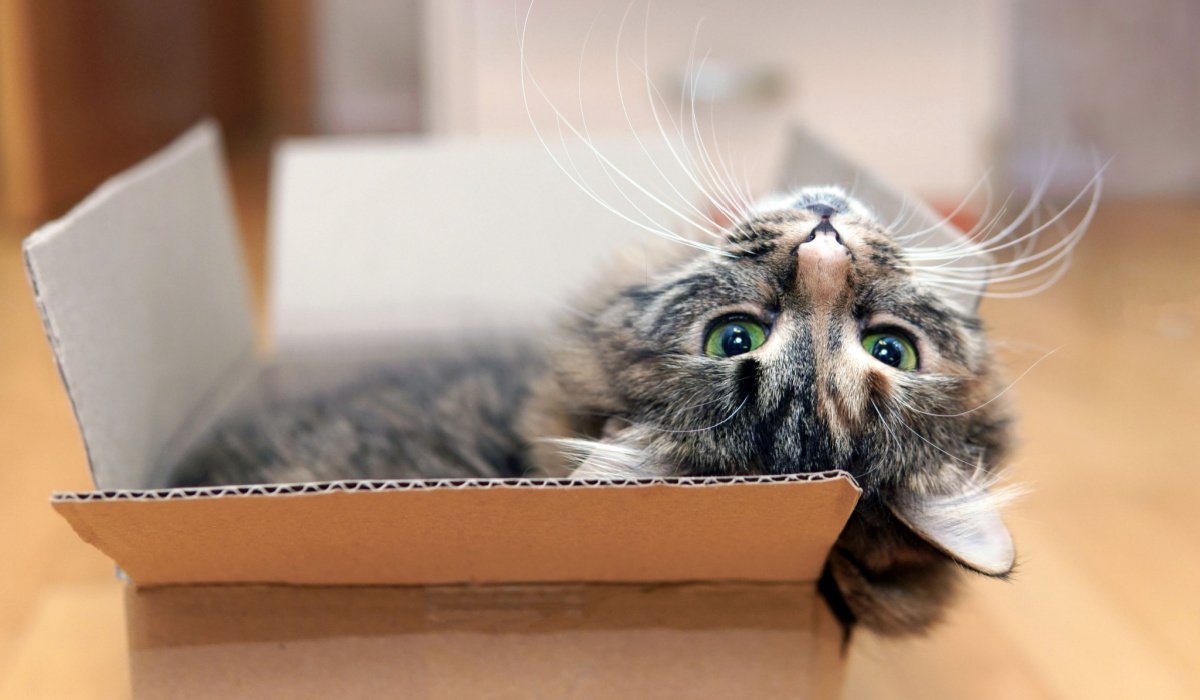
(144, 297)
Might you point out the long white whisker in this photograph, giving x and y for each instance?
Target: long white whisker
(892, 438)
(894, 225)
(707, 167)
(526, 75)
(995, 398)
(1056, 253)
(900, 421)
(587, 133)
(651, 93)
(695, 151)
(1094, 185)
(960, 248)
(741, 199)
(629, 121)
(718, 424)
(956, 251)
(955, 212)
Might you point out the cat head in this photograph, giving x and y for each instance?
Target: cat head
(806, 342)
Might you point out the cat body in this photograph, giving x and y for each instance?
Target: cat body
(805, 341)
(438, 412)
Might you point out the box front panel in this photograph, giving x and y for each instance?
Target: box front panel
(579, 641)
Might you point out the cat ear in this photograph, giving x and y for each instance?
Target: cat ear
(965, 526)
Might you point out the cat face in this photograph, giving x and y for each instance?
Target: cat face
(807, 343)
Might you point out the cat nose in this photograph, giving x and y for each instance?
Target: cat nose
(825, 228)
(823, 262)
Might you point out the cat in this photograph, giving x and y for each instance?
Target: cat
(809, 337)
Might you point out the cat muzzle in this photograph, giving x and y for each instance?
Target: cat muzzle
(824, 262)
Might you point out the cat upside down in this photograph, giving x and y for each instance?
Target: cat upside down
(809, 338)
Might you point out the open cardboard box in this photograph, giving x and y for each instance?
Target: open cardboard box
(444, 589)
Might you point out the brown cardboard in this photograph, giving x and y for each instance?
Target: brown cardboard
(411, 532)
(574, 641)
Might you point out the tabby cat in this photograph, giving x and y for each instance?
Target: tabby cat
(808, 338)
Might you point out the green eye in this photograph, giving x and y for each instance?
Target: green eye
(734, 337)
(892, 348)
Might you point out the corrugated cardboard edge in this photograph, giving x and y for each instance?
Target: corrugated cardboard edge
(444, 532)
(381, 485)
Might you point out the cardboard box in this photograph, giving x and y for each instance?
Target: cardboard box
(442, 589)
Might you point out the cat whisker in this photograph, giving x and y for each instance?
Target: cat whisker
(989, 195)
(705, 187)
(990, 401)
(629, 121)
(698, 155)
(718, 424)
(905, 206)
(705, 159)
(913, 212)
(654, 227)
(587, 134)
(1002, 240)
(927, 441)
(965, 247)
(949, 217)
(655, 97)
(742, 198)
(710, 402)
(1046, 265)
(1094, 186)
(893, 440)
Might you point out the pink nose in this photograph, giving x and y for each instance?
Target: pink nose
(823, 263)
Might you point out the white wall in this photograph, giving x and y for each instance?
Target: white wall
(1115, 77)
(913, 89)
(367, 57)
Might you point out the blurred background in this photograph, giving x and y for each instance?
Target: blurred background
(930, 93)
(933, 94)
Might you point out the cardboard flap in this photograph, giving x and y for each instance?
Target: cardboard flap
(809, 160)
(372, 238)
(518, 531)
(144, 299)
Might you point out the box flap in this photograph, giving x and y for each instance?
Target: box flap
(480, 531)
(144, 299)
(810, 160)
(374, 237)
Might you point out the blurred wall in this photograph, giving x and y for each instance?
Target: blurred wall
(367, 63)
(88, 88)
(930, 92)
(913, 88)
(1115, 77)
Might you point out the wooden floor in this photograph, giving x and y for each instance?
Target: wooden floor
(1107, 601)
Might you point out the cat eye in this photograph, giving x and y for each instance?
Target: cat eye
(734, 336)
(893, 348)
